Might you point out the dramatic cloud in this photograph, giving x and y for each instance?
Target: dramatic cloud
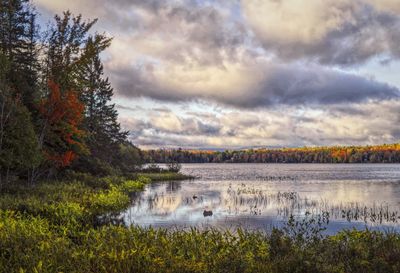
(252, 86)
(268, 72)
(344, 32)
(365, 123)
(209, 55)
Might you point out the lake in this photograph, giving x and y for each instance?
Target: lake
(262, 196)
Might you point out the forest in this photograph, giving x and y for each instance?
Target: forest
(389, 153)
(55, 101)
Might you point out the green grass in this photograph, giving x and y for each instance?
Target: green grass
(166, 176)
(72, 203)
(52, 228)
(31, 244)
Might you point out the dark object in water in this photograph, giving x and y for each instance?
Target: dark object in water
(194, 196)
(207, 213)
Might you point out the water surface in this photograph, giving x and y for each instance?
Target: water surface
(262, 196)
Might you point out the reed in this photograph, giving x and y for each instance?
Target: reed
(51, 228)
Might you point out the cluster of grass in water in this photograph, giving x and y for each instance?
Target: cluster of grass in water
(288, 203)
(165, 176)
(54, 227)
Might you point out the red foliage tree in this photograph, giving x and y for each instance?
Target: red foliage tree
(63, 114)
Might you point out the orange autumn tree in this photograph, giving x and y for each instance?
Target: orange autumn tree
(62, 113)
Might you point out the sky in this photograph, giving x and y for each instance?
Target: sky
(231, 74)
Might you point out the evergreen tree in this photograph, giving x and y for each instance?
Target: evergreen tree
(18, 42)
(19, 151)
(64, 50)
(104, 134)
(73, 113)
(129, 157)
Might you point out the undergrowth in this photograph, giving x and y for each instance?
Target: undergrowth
(53, 228)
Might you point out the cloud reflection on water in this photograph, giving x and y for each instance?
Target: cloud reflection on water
(353, 195)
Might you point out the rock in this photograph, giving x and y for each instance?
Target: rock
(207, 213)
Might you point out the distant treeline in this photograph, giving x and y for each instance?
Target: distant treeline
(388, 153)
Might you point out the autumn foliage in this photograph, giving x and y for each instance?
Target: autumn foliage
(62, 113)
(387, 153)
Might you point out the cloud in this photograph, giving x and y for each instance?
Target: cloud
(256, 85)
(343, 32)
(190, 50)
(359, 124)
(249, 73)
(334, 32)
(178, 30)
(171, 123)
(391, 6)
(133, 109)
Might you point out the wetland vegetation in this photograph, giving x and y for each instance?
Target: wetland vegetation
(70, 177)
(257, 196)
(56, 227)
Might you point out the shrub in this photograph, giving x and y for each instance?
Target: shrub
(50, 228)
(110, 201)
(27, 244)
(130, 186)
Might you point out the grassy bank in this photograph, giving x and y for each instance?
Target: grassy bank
(72, 203)
(54, 227)
(165, 176)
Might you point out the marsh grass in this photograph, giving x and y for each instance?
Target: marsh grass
(290, 203)
(31, 244)
(166, 176)
(72, 203)
(50, 228)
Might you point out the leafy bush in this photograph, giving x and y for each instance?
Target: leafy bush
(130, 186)
(307, 229)
(27, 244)
(30, 244)
(66, 214)
(110, 201)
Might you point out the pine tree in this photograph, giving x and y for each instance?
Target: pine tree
(19, 150)
(104, 134)
(18, 42)
(64, 50)
(73, 112)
